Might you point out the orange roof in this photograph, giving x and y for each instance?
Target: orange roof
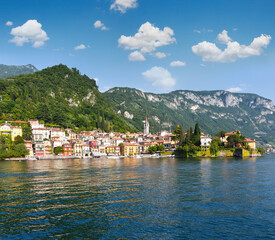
(231, 133)
(250, 140)
(20, 122)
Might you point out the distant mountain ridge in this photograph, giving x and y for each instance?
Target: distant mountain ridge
(253, 115)
(14, 70)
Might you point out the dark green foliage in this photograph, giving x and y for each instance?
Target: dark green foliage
(261, 150)
(156, 148)
(221, 134)
(236, 140)
(58, 150)
(27, 131)
(59, 96)
(178, 133)
(152, 149)
(10, 150)
(215, 146)
(18, 139)
(11, 70)
(161, 148)
(196, 137)
(190, 144)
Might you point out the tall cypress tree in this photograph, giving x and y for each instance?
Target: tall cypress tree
(197, 131)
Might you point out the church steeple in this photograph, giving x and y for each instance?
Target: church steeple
(146, 126)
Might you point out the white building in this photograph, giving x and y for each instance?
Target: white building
(44, 131)
(146, 126)
(36, 124)
(205, 142)
(56, 132)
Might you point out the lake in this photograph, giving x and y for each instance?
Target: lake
(165, 198)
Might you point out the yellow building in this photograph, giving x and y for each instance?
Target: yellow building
(12, 131)
(112, 150)
(129, 149)
(77, 149)
(16, 131)
(251, 143)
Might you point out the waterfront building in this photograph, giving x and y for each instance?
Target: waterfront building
(48, 148)
(77, 149)
(251, 143)
(128, 149)
(85, 149)
(39, 149)
(112, 150)
(205, 142)
(28, 145)
(67, 150)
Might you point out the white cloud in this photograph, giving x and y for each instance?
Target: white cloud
(178, 64)
(136, 56)
(80, 47)
(96, 80)
(211, 53)
(234, 89)
(223, 37)
(160, 78)
(148, 38)
(202, 65)
(30, 31)
(9, 23)
(235, 29)
(160, 55)
(99, 24)
(123, 5)
(203, 31)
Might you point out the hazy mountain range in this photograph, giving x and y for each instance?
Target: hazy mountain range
(12, 70)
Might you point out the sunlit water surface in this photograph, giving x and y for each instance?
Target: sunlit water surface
(138, 199)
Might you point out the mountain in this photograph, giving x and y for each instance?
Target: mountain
(213, 110)
(12, 70)
(59, 96)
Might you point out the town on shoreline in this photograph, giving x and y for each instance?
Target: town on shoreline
(33, 140)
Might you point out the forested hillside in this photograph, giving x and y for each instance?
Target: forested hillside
(213, 110)
(61, 96)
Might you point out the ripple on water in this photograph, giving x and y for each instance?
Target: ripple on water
(138, 199)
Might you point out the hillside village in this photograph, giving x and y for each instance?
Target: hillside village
(48, 142)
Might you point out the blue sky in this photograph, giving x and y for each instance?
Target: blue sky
(152, 45)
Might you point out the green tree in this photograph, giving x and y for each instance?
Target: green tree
(152, 149)
(27, 131)
(21, 150)
(161, 148)
(215, 146)
(18, 139)
(236, 140)
(58, 150)
(260, 150)
(197, 131)
(196, 138)
(178, 132)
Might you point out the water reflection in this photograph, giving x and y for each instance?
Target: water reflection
(137, 198)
